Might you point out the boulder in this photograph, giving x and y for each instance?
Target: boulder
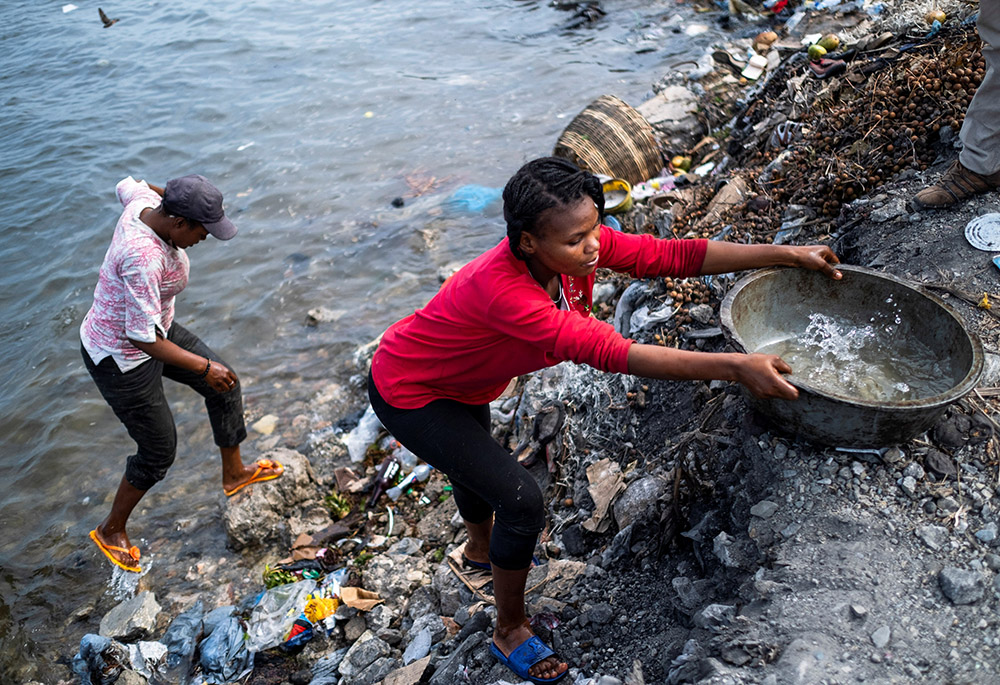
(259, 513)
(673, 113)
(133, 619)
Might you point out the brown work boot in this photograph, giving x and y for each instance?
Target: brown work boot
(956, 184)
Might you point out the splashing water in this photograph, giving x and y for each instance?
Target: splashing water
(874, 361)
(124, 584)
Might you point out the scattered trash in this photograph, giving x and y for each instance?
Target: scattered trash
(225, 654)
(612, 222)
(360, 599)
(606, 483)
(100, 660)
(363, 435)
(384, 479)
(755, 67)
(983, 232)
(617, 196)
(275, 612)
(473, 198)
(181, 639)
(418, 475)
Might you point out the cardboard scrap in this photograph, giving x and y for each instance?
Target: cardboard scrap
(360, 599)
(348, 480)
(606, 483)
(408, 675)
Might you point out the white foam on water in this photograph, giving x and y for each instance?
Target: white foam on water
(124, 584)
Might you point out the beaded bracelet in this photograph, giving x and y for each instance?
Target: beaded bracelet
(207, 367)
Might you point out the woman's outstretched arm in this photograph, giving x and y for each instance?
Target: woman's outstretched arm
(760, 373)
(722, 257)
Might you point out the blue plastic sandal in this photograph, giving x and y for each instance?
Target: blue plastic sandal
(526, 655)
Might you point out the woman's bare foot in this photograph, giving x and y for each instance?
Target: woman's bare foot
(507, 640)
(116, 545)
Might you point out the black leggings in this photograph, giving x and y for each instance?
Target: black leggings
(137, 399)
(455, 439)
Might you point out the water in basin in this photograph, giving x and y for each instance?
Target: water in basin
(869, 361)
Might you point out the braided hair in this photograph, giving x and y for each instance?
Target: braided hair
(542, 184)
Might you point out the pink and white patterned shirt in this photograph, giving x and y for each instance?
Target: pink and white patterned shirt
(140, 276)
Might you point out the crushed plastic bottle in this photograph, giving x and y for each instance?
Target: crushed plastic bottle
(418, 474)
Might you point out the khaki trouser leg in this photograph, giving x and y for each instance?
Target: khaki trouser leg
(980, 132)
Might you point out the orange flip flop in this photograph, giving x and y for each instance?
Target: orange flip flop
(132, 551)
(256, 477)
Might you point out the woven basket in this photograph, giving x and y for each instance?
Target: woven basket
(610, 137)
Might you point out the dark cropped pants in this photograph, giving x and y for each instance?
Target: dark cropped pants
(137, 399)
(455, 439)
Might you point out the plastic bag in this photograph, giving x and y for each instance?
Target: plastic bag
(180, 640)
(473, 198)
(100, 660)
(224, 654)
(276, 612)
(362, 435)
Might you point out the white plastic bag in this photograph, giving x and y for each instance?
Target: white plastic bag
(275, 613)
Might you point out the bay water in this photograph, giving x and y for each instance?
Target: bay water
(311, 117)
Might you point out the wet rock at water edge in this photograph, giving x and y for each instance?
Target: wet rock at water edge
(961, 586)
(133, 619)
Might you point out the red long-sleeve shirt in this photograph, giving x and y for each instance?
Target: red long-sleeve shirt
(492, 321)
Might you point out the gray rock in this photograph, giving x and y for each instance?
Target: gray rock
(599, 614)
(692, 594)
(914, 470)
(940, 464)
(129, 677)
(673, 112)
(960, 586)
(395, 577)
(619, 547)
(325, 670)
(362, 654)
(880, 638)
(859, 611)
(259, 513)
(433, 624)
(948, 505)
(909, 486)
(702, 313)
(418, 648)
(133, 619)
(451, 669)
(355, 628)
(992, 561)
(988, 533)
(715, 616)
(375, 672)
(572, 540)
(764, 509)
(934, 537)
(638, 501)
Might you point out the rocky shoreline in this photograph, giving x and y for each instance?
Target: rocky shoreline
(688, 540)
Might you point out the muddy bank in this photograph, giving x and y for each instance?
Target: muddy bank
(689, 540)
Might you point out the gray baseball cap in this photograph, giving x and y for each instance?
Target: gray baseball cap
(194, 198)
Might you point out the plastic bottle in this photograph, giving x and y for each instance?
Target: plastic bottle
(418, 474)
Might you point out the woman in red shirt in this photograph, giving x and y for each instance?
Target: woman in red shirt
(522, 306)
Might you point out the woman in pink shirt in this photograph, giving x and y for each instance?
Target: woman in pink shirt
(522, 306)
(130, 342)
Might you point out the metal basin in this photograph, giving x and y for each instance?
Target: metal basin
(773, 303)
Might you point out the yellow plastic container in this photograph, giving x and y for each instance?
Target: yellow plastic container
(617, 196)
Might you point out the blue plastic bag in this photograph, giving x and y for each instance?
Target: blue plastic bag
(473, 198)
